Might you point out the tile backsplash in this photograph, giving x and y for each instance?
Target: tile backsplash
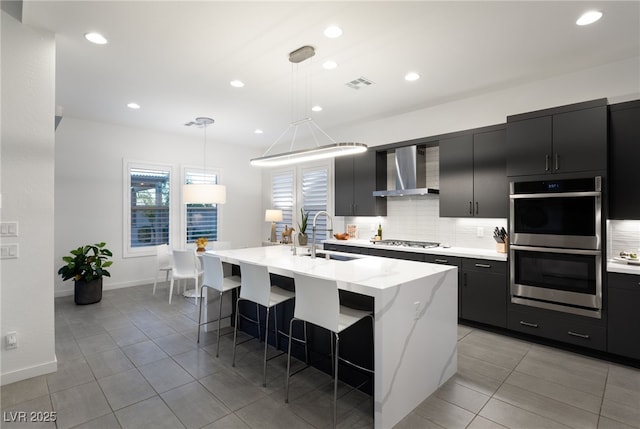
(623, 235)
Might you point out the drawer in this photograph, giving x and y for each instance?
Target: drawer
(484, 265)
(440, 259)
(397, 254)
(561, 329)
(624, 281)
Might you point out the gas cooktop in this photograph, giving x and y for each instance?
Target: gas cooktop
(409, 243)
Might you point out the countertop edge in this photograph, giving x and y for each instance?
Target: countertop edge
(617, 267)
(462, 252)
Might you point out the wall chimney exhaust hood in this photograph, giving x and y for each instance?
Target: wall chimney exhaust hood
(411, 174)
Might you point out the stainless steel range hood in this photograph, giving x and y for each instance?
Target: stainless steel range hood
(411, 174)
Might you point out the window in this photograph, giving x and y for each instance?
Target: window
(312, 193)
(314, 198)
(147, 209)
(282, 198)
(201, 219)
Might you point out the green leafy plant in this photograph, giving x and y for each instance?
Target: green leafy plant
(87, 262)
(302, 227)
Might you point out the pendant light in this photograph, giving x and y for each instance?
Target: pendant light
(203, 193)
(303, 155)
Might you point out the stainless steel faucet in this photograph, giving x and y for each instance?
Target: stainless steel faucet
(313, 230)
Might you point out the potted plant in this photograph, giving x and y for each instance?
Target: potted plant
(302, 228)
(86, 266)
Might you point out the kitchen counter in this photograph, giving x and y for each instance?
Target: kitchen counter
(463, 252)
(619, 267)
(416, 316)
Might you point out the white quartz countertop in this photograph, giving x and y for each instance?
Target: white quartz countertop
(463, 252)
(364, 274)
(620, 267)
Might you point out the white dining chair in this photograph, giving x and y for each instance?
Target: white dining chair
(318, 302)
(163, 263)
(256, 287)
(185, 266)
(214, 278)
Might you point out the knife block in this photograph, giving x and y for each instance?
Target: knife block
(501, 247)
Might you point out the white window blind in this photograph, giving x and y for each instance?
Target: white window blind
(201, 219)
(315, 187)
(282, 198)
(149, 207)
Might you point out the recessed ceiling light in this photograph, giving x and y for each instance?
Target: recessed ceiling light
(333, 31)
(589, 17)
(133, 105)
(257, 131)
(237, 83)
(411, 76)
(329, 65)
(96, 38)
(317, 108)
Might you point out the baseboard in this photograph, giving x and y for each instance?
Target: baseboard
(69, 292)
(25, 373)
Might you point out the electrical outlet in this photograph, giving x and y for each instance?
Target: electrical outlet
(9, 251)
(9, 229)
(480, 231)
(11, 340)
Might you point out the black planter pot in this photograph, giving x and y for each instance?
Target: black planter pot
(88, 292)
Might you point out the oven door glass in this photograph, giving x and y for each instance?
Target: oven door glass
(566, 216)
(556, 271)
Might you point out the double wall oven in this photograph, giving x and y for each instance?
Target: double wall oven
(556, 245)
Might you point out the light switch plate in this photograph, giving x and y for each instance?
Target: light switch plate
(9, 251)
(9, 229)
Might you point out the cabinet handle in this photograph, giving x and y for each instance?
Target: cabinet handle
(546, 163)
(476, 207)
(441, 261)
(575, 334)
(557, 161)
(531, 325)
(483, 265)
(470, 207)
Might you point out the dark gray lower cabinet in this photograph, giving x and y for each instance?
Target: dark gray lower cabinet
(483, 291)
(623, 331)
(563, 327)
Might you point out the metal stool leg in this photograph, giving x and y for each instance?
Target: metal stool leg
(219, 319)
(266, 344)
(335, 383)
(200, 315)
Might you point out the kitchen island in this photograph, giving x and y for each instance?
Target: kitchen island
(416, 317)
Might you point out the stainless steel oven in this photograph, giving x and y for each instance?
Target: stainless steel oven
(555, 257)
(557, 213)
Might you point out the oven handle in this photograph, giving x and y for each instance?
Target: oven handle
(556, 250)
(557, 195)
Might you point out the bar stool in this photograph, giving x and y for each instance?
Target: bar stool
(318, 302)
(214, 278)
(256, 287)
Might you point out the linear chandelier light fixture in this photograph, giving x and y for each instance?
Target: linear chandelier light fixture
(331, 150)
(203, 193)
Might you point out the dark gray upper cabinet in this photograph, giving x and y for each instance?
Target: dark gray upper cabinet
(473, 179)
(624, 160)
(356, 177)
(566, 139)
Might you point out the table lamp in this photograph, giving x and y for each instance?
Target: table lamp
(273, 216)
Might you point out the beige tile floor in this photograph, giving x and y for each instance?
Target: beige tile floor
(131, 361)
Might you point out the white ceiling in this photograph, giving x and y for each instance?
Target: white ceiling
(176, 59)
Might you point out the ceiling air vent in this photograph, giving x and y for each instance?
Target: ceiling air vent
(361, 82)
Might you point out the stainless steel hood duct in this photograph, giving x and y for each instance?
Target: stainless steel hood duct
(411, 174)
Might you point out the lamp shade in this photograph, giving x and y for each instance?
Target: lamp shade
(204, 194)
(271, 215)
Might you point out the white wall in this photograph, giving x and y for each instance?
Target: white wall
(89, 190)
(27, 174)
